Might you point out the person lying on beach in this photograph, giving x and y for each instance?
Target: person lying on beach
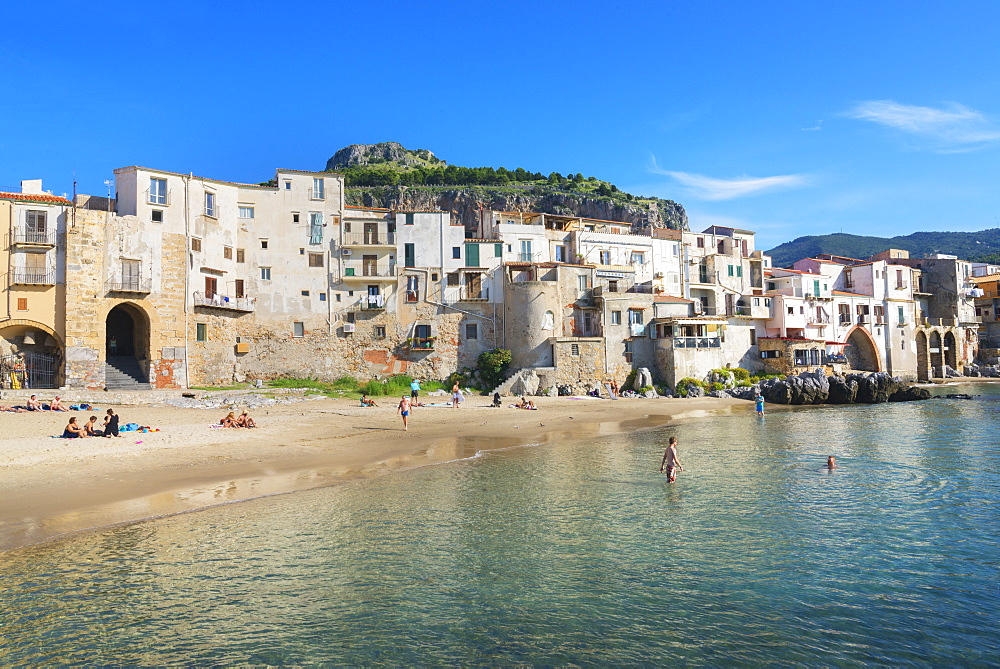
(72, 430)
(245, 420)
(91, 427)
(14, 409)
(366, 402)
(34, 404)
(57, 405)
(525, 403)
(229, 420)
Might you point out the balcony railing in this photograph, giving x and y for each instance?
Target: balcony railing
(863, 319)
(483, 295)
(369, 303)
(642, 288)
(379, 238)
(845, 320)
(218, 301)
(819, 320)
(39, 238)
(363, 268)
(420, 343)
(33, 278)
(129, 285)
(695, 342)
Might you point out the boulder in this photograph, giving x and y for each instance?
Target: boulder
(642, 379)
(842, 390)
(525, 384)
(720, 393)
(910, 394)
(650, 395)
(695, 391)
(747, 393)
(808, 388)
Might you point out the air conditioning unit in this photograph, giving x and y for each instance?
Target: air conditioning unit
(348, 327)
(345, 252)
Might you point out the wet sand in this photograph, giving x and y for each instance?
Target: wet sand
(56, 486)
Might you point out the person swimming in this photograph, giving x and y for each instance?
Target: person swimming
(831, 462)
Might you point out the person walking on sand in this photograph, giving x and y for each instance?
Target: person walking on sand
(671, 462)
(759, 401)
(456, 395)
(404, 410)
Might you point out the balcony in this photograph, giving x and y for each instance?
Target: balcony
(129, 285)
(694, 342)
(34, 238)
(376, 238)
(844, 320)
(619, 289)
(819, 320)
(419, 343)
(355, 270)
(369, 303)
(217, 301)
(482, 295)
(29, 277)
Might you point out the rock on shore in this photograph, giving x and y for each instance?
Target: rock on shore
(858, 388)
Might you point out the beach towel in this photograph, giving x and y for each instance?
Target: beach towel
(129, 427)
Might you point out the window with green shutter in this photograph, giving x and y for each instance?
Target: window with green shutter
(498, 250)
(409, 255)
(472, 255)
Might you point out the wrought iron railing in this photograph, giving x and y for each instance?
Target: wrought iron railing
(379, 238)
(219, 301)
(129, 285)
(43, 237)
(33, 277)
(363, 268)
(696, 342)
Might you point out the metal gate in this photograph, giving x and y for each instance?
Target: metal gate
(29, 370)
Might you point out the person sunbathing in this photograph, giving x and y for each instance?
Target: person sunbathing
(72, 430)
(91, 427)
(245, 420)
(367, 402)
(14, 409)
(34, 404)
(56, 404)
(229, 420)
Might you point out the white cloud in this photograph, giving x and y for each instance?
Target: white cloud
(954, 126)
(708, 188)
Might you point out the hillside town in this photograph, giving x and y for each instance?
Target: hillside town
(183, 281)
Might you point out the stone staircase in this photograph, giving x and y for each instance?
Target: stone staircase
(123, 372)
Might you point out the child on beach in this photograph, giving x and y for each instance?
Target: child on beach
(404, 410)
(91, 427)
(670, 461)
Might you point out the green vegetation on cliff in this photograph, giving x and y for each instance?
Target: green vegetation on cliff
(982, 246)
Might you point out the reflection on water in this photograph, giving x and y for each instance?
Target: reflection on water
(570, 552)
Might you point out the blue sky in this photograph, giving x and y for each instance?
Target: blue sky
(788, 118)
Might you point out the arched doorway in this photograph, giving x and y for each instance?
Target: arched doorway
(31, 356)
(126, 347)
(950, 350)
(937, 355)
(861, 352)
(923, 358)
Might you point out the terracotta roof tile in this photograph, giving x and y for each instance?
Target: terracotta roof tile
(41, 198)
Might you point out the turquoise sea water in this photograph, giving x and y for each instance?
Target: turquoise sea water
(569, 553)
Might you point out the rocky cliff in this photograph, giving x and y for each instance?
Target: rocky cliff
(358, 155)
(466, 204)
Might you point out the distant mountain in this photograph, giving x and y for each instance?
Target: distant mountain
(391, 176)
(982, 246)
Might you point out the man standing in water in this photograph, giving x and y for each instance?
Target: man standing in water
(404, 410)
(759, 401)
(671, 462)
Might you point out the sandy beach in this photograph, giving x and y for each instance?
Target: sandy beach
(54, 486)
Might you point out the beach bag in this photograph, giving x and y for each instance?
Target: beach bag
(129, 427)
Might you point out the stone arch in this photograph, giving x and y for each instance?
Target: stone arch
(950, 349)
(129, 335)
(937, 357)
(861, 351)
(32, 355)
(923, 358)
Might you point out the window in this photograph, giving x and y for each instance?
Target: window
(574, 350)
(581, 282)
(157, 191)
(453, 279)
(791, 311)
(288, 185)
(337, 297)
(298, 329)
(605, 257)
(753, 336)
(263, 243)
(22, 304)
(315, 227)
(156, 216)
(302, 252)
(131, 271)
(380, 331)
(201, 331)
(211, 286)
(772, 286)
(675, 249)
(497, 250)
(638, 258)
(316, 260)
(612, 285)
(635, 316)
(616, 318)
(899, 279)
(472, 331)
(210, 204)
(350, 317)
(456, 251)
(409, 219)
(195, 244)
(412, 289)
(227, 252)
(265, 273)
(434, 276)
(701, 242)
(246, 211)
(318, 192)
(526, 254)
(322, 297)
(409, 255)
(305, 293)
(295, 218)
(560, 253)
(240, 289)
(241, 255)
(902, 315)
(731, 271)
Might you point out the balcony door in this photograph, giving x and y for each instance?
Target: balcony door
(131, 270)
(473, 285)
(211, 287)
(371, 233)
(369, 265)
